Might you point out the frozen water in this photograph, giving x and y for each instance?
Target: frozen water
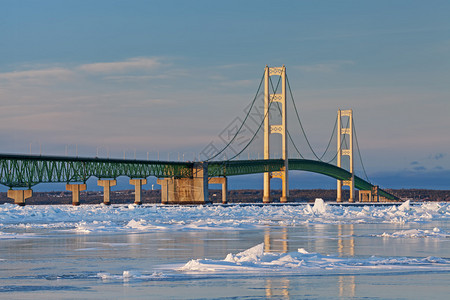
(237, 251)
(417, 233)
(147, 218)
(255, 260)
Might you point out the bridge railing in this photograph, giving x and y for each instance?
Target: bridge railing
(29, 170)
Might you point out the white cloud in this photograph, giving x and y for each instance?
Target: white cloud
(328, 67)
(49, 73)
(132, 64)
(135, 78)
(136, 70)
(238, 83)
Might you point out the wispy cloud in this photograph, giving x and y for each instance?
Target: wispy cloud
(39, 74)
(132, 64)
(420, 168)
(233, 66)
(238, 83)
(437, 156)
(137, 68)
(327, 67)
(135, 78)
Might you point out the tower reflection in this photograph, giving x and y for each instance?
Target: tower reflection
(346, 247)
(276, 241)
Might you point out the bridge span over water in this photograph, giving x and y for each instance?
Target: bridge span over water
(26, 171)
(187, 182)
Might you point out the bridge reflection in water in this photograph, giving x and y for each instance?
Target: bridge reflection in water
(278, 241)
(346, 247)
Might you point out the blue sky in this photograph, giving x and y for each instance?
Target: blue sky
(115, 77)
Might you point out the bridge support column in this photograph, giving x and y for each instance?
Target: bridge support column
(280, 129)
(75, 189)
(138, 189)
(267, 175)
(375, 196)
(365, 196)
(186, 190)
(223, 182)
(341, 131)
(166, 184)
(19, 196)
(106, 184)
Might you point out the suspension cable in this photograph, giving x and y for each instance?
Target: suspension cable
(242, 125)
(303, 130)
(359, 152)
(331, 138)
(342, 142)
(259, 127)
(289, 135)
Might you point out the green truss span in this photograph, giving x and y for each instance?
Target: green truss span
(29, 170)
(241, 167)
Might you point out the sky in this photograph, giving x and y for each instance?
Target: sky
(165, 79)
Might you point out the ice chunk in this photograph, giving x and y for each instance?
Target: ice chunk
(250, 255)
(319, 206)
(405, 206)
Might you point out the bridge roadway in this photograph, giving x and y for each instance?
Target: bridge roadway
(19, 171)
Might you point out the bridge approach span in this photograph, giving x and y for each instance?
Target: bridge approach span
(28, 170)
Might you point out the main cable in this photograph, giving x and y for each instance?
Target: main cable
(359, 152)
(303, 130)
(262, 122)
(242, 125)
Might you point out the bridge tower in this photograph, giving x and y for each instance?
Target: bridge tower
(281, 129)
(341, 131)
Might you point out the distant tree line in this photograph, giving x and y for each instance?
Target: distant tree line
(234, 196)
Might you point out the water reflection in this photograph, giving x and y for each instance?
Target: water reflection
(276, 241)
(346, 247)
(346, 240)
(277, 288)
(75, 259)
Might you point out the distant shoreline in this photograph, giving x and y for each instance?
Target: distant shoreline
(234, 196)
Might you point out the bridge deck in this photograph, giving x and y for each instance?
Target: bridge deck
(29, 170)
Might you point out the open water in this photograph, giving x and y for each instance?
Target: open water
(216, 252)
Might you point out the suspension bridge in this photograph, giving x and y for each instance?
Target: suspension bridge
(187, 182)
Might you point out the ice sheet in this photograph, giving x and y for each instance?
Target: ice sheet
(417, 233)
(86, 219)
(255, 260)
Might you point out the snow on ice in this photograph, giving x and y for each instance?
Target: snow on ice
(86, 219)
(255, 260)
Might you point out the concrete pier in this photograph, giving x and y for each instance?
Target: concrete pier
(106, 184)
(75, 189)
(138, 189)
(369, 195)
(19, 196)
(223, 181)
(186, 190)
